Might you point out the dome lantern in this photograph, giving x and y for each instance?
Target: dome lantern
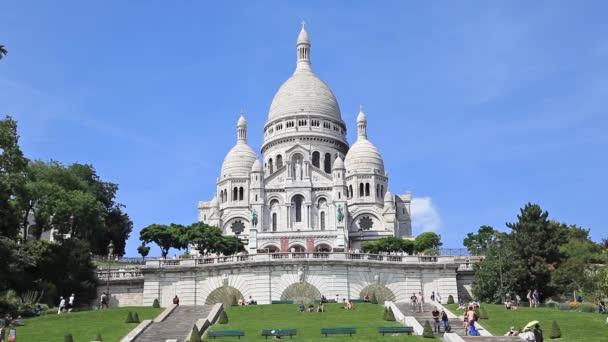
(303, 48)
(361, 124)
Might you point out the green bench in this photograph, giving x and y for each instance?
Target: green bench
(396, 330)
(279, 332)
(226, 333)
(357, 300)
(282, 302)
(338, 331)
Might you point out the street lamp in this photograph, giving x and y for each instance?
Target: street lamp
(110, 252)
(498, 243)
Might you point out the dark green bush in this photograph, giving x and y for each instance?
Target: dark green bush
(587, 308)
(195, 336)
(156, 304)
(374, 299)
(390, 316)
(223, 318)
(233, 301)
(68, 338)
(384, 317)
(556, 332)
(136, 318)
(129, 318)
(450, 299)
(428, 331)
(98, 338)
(483, 313)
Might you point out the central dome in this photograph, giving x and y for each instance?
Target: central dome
(304, 92)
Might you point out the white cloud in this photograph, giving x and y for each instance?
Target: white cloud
(424, 215)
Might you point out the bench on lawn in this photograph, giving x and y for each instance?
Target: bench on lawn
(358, 300)
(282, 302)
(226, 333)
(279, 332)
(337, 331)
(396, 330)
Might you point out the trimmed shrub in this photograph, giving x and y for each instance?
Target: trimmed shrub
(428, 331)
(129, 318)
(587, 308)
(156, 304)
(98, 338)
(390, 316)
(385, 316)
(483, 313)
(195, 336)
(556, 332)
(373, 298)
(136, 318)
(223, 318)
(68, 338)
(450, 299)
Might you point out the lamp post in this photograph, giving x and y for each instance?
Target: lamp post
(110, 252)
(498, 243)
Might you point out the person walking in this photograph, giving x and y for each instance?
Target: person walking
(420, 302)
(445, 320)
(71, 302)
(61, 305)
(536, 298)
(433, 296)
(12, 334)
(413, 299)
(436, 320)
(529, 297)
(176, 300)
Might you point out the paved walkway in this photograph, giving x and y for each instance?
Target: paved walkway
(176, 326)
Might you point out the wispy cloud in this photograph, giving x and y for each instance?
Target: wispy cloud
(425, 216)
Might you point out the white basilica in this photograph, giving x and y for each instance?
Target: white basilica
(311, 192)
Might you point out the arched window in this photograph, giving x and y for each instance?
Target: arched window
(350, 192)
(322, 220)
(315, 158)
(360, 189)
(270, 165)
(241, 193)
(235, 194)
(256, 198)
(297, 202)
(377, 190)
(327, 163)
(366, 189)
(381, 190)
(274, 222)
(339, 194)
(279, 161)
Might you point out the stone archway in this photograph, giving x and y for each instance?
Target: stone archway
(382, 293)
(223, 295)
(301, 293)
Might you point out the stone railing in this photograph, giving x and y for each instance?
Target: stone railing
(119, 274)
(279, 257)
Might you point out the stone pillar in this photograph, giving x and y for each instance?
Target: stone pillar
(253, 241)
(287, 217)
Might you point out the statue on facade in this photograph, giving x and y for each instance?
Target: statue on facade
(340, 214)
(254, 218)
(298, 170)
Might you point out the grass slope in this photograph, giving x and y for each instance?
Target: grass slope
(575, 326)
(366, 318)
(84, 325)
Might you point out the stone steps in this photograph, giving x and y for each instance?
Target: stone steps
(491, 338)
(176, 326)
(421, 317)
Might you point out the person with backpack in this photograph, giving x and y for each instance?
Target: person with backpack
(538, 333)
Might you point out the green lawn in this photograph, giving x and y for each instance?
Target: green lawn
(83, 326)
(366, 318)
(575, 326)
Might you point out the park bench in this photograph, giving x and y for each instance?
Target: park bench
(279, 332)
(357, 300)
(396, 330)
(282, 302)
(338, 331)
(226, 333)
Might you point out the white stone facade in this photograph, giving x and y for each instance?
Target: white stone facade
(307, 172)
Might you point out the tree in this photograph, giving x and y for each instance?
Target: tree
(3, 51)
(165, 236)
(427, 331)
(427, 240)
(195, 336)
(478, 243)
(223, 318)
(143, 250)
(389, 244)
(536, 240)
(556, 332)
(205, 238)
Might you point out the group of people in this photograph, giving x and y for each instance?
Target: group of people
(533, 298)
(9, 327)
(417, 302)
(251, 301)
(66, 306)
(528, 334)
(311, 308)
(439, 319)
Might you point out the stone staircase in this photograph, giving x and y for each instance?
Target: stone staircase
(491, 339)
(176, 326)
(421, 317)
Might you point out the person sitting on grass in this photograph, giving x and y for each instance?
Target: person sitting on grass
(323, 299)
(320, 308)
(302, 308)
(508, 304)
(311, 308)
(527, 335)
(366, 298)
(602, 307)
(512, 332)
(461, 305)
(241, 301)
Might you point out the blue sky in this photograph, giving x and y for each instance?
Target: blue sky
(477, 107)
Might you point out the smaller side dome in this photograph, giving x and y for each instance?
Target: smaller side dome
(388, 197)
(257, 166)
(338, 164)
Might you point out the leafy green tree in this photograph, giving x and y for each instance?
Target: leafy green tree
(478, 243)
(427, 240)
(556, 332)
(389, 244)
(537, 240)
(223, 318)
(143, 250)
(165, 236)
(204, 237)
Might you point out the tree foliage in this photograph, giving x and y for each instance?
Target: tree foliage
(427, 240)
(389, 244)
(164, 236)
(143, 250)
(478, 243)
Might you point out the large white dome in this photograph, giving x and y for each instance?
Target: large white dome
(363, 157)
(238, 161)
(304, 92)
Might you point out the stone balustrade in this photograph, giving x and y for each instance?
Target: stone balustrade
(318, 256)
(119, 274)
